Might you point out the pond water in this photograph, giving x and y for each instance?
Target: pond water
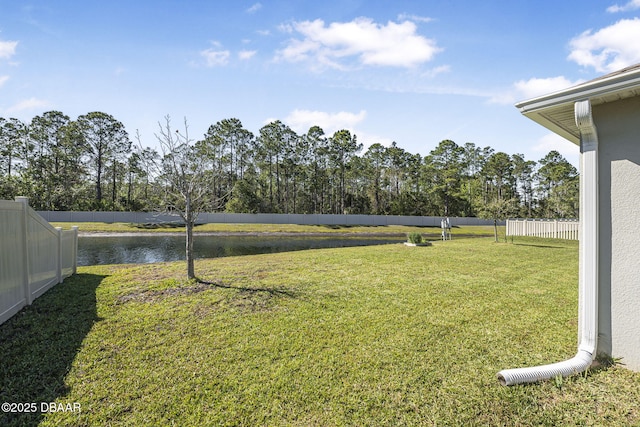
(139, 249)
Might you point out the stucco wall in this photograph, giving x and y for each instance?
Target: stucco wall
(618, 125)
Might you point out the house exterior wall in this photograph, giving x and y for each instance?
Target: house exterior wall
(618, 127)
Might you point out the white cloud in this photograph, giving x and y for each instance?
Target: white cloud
(28, 104)
(301, 120)
(372, 44)
(527, 89)
(414, 18)
(631, 5)
(285, 28)
(552, 141)
(536, 86)
(608, 49)
(436, 70)
(7, 49)
(214, 58)
(368, 139)
(246, 54)
(253, 9)
(3, 80)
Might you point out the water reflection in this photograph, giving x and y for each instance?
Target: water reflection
(138, 249)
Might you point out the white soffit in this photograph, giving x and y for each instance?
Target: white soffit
(555, 111)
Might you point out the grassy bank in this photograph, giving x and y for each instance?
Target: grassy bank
(121, 227)
(373, 336)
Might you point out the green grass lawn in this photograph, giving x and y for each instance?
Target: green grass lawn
(366, 336)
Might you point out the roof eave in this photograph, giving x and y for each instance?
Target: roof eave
(547, 110)
(569, 132)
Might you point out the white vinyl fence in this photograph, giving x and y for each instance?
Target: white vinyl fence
(262, 218)
(34, 256)
(555, 229)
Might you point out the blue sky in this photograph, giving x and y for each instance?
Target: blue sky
(414, 72)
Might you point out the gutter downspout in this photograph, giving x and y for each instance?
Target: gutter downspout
(588, 292)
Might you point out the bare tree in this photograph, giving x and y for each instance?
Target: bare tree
(184, 179)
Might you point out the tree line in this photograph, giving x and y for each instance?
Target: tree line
(92, 163)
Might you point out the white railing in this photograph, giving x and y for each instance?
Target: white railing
(555, 229)
(34, 256)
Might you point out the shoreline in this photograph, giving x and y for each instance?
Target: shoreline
(260, 233)
(234, 234)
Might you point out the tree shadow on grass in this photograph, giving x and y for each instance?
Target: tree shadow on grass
(252, 298)
(38, 346)
(539, 246)
(274, 292)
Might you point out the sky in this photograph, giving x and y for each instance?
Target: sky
(413, 72)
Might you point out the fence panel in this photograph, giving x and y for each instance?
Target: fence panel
(43, 252)
(553, 229)
(263, 218)
(12, 247)
(34, 256)
(69, 253)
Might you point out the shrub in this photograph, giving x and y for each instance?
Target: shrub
(414, 238)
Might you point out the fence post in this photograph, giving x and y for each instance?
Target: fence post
(59, 259)
(74, 250)
(24, 236)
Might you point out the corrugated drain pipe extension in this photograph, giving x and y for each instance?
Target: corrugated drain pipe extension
(588, 292)
(579, 363)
